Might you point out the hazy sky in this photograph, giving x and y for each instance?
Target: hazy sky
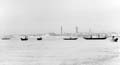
(30, 16)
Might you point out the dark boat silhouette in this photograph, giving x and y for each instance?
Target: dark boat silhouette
(95, 38)
(40, 38)
(70, 38)
(24, 39)
(114, 39)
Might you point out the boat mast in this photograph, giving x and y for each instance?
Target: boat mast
(90, 32)
(61, 30)
(76, 29)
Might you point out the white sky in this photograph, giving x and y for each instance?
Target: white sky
(30, 16)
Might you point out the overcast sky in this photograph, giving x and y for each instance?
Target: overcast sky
(31, 16)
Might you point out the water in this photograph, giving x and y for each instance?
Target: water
(59, 52)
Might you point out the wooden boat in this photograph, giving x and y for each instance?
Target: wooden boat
(24, 39)
(114, 39)
(95, 38)
(70, 38)
(40, 38)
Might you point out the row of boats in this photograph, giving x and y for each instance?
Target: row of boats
(93, 38)
(25, 38)
(86, 37)
(90, 37)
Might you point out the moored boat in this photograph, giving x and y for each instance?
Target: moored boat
(97, 37)
(114, 39)
(70, 38)
(25, 38)
(40, 38)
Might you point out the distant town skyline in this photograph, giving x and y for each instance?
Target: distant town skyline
(34, 16)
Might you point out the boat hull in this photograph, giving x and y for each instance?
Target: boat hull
(39, 38)
(95, 38)
(70, 38)
(24, 39)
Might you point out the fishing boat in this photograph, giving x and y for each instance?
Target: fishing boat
(70, 38)
(91, 37)
(114, 39)
(95, 38)
(25, 38)
(39, 38)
